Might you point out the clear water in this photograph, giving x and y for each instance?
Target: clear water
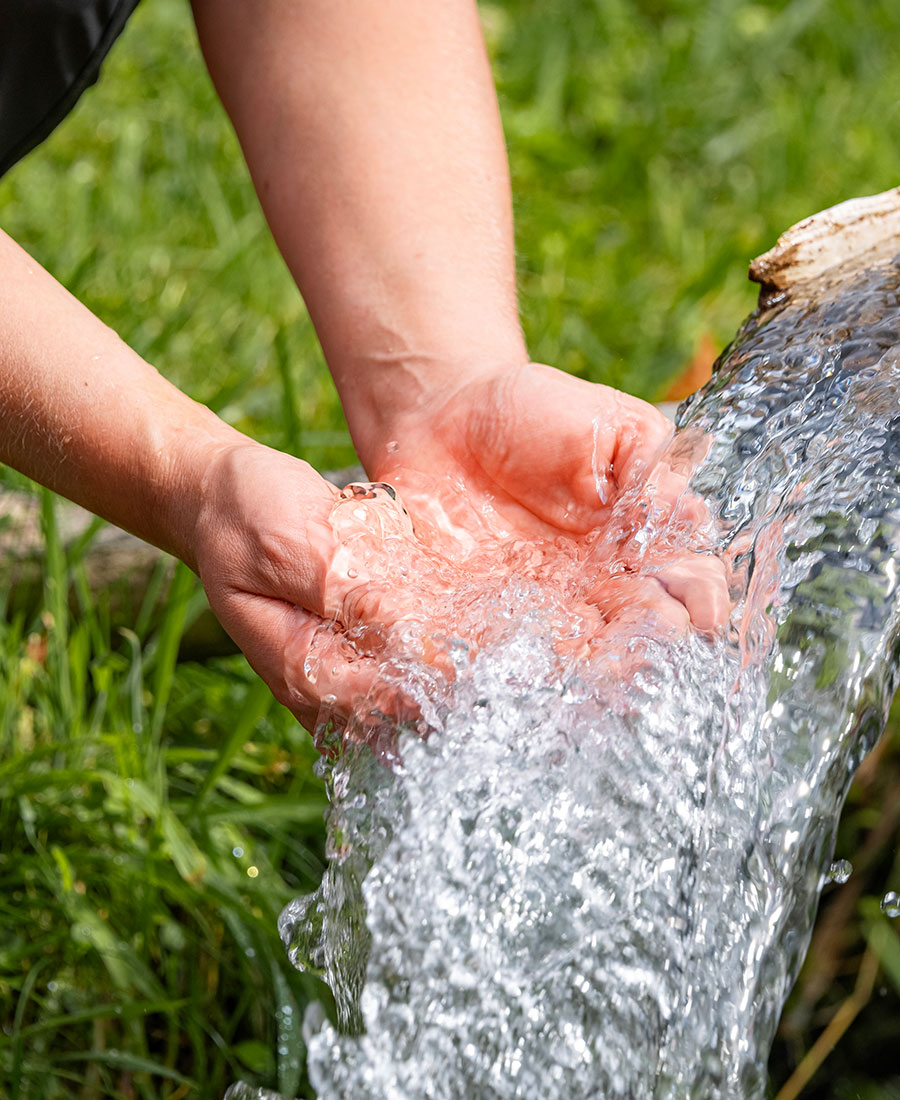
(596, 876)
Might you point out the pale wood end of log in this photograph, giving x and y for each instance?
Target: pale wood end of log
(833, 236)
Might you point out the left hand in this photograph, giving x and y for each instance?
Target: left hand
(532, 453)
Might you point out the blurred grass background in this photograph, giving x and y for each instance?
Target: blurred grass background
(155, 816)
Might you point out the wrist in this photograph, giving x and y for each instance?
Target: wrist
(391, 401)
(185, 454)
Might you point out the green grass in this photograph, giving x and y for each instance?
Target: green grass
(656, 146)
(155, 819)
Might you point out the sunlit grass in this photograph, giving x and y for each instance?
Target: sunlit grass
(658, 146)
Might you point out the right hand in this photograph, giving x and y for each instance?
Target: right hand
(281, 553)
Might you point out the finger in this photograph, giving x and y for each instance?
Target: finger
(379, 575)
(626, 437)
(633, 596)
(639, 432)
(660, 501)
(354, 692)
(698, 581)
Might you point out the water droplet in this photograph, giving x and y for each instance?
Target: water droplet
(352, 573)
(393, 447)
(253, 872)
(839, 871)
(890, 904)
(237, 852)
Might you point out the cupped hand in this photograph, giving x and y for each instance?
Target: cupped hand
(530, 453)
(299, 574)
(528, 468)
(330, 594)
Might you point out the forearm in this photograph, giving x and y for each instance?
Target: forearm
(372, 133)
(85, 415)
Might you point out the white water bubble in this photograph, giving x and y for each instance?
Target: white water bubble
(237, 852)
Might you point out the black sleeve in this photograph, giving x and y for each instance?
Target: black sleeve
(50, 51)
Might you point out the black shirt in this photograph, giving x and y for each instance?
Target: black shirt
(50, 51)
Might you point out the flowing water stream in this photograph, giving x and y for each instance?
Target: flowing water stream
(596, 876)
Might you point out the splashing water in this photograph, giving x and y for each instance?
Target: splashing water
(596, 877)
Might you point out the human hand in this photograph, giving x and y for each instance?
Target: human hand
(321, 589)
(531, 453)
(299, 574)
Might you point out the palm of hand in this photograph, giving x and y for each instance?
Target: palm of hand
(535, 443)
(545, 456)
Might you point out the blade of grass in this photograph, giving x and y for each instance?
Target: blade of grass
(21, 1005)
(135, 681)
(56, 592)
(291, 1047)
(118, 1059)
(883, 940)
(166, 655)
(257, 704)
(293, 432)
(110, 1011)
(842, 1019)
(161, 573)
